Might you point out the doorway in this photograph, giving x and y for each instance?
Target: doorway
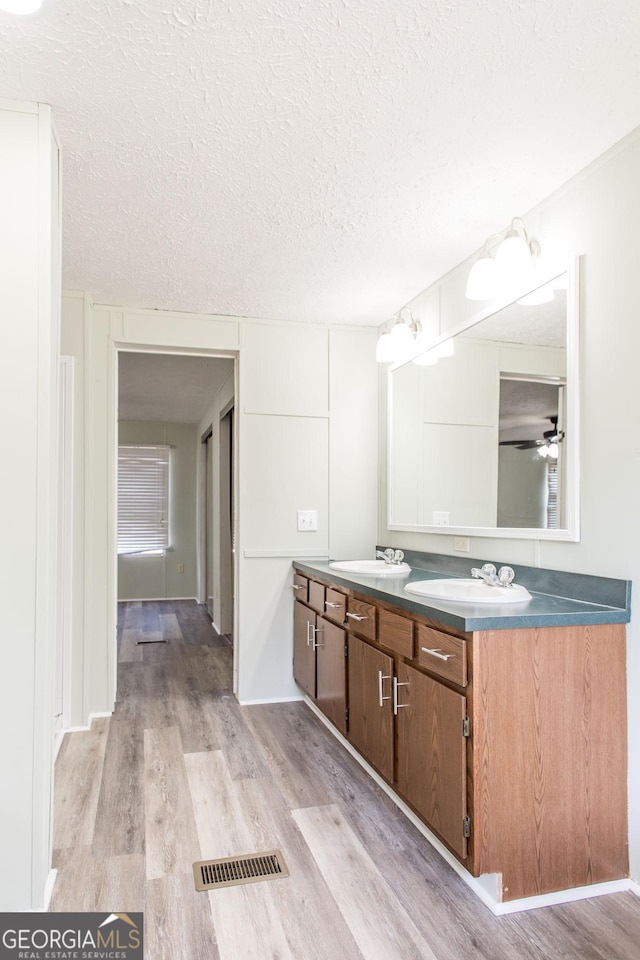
(173, 399)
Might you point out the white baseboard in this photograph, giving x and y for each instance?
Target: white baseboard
(255, 703)
(48, 890)
(47, 894)
(92, 716)
(634, 887)
(486, 887)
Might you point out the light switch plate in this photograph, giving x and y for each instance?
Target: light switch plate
(308, 520)
(441, 518)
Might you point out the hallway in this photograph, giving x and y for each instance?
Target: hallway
(182, 773)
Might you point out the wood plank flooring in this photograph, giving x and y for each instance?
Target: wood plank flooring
(181, 773)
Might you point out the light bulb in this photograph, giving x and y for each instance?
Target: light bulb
(482, 282)
(385, 349)
(20, 7)
(543, 452)
(543, 294)
(553, 450)
(428, 359)
(444, 349)
(402, 336)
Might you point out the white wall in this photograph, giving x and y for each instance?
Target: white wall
(29, 306)
(595, 215)
(146, 578)
(306, 431)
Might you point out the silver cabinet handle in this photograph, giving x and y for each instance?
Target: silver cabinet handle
(316, 631)
(436, 653)
(310, 628)
(298, 586)
(354, 616)
(330, 603)
(397, 706)
(381, 699)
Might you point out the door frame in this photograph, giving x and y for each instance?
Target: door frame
(118, 347)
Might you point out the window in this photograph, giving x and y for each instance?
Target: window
(143, 500)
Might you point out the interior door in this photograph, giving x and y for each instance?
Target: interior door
(225, 614)
(209, 513)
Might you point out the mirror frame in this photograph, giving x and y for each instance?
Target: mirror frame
(571, 531)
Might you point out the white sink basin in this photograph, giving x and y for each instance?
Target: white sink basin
(468, 591)
(371, 568)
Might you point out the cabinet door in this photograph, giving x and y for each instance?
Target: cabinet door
(331, 673)
(432, 765)
(304, 654)
(371, 727)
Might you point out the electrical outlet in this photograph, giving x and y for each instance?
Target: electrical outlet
(181, 568)
(308, 520)
(461, 543)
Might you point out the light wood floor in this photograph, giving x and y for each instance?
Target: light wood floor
(181, 773)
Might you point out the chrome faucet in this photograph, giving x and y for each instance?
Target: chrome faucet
(503, 578)
(390, 555)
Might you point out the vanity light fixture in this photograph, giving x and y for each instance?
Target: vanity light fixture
(20, 7)
(399, 340)
(429, 358)
(511, 266)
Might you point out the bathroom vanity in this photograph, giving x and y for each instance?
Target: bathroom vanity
(503, 728)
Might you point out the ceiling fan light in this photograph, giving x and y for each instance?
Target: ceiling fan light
(482, 282)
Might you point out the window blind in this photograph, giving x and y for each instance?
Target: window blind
(143, 499)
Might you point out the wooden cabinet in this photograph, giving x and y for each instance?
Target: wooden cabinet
(319, 662)
(432, 754)
(509, 744)
(304, 654)
(371, 721)
(331, 689)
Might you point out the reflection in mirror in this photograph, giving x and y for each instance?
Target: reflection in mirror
(483, 441)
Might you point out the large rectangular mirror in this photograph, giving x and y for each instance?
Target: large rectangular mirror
(484, 442)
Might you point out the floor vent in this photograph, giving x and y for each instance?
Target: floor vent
(231, 871)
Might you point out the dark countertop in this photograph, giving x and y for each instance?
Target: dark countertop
(582, 599)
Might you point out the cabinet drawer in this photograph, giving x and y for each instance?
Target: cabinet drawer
(442, 654)
(396, 633)
(300, 587)
(316, 596)
(361, 618)
(335, 606)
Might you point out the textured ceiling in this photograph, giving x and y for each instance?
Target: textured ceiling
(172, 389)
(321, 160)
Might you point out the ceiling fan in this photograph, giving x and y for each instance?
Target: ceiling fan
(548, 437)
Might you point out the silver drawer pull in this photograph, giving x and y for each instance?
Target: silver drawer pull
(354, 616)
(298, 586)
(436, 653)
(398, 706)
(381, 698)
(329, 603)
